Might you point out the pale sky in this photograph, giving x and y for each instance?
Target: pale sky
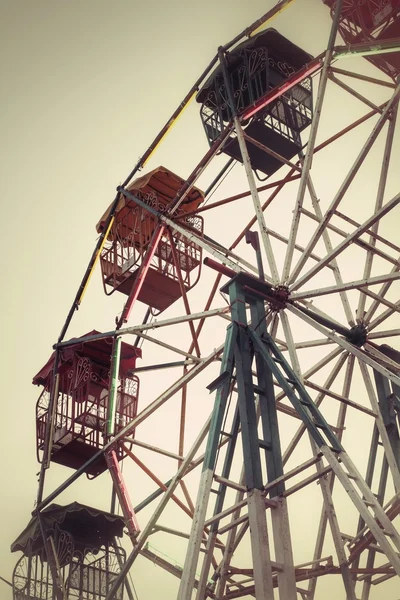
(86, 87)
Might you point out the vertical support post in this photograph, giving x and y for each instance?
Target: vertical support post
(251, 449)
(138, 284)
(273, 454)
(201, 588)
(189, 570)
(122, 493)
(113, 391)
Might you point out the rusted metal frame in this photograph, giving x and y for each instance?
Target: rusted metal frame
(340, 425)
(122, 493)
(345, 184)
(353, 92)
(363, 244)
(262, 188)
(350, 127)
(153, 520)
(353, 285)
(302, 429)
(307, 162)
(142, 272)
(328, 246)
(267, 150)
(158, 481)
(358, 352)
(348, 240)
(183, 291)
(142, 416)
(379, 201)
(363, 77)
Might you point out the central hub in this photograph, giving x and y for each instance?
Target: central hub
(280, 296)
(358, 335)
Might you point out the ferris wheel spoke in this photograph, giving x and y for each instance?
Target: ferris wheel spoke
(345, 185)
(306, 166)
(329, 248)
(375, 305)
(349, 240)
(378, 205)
(353, 285)
(315, 368)
(358, 352)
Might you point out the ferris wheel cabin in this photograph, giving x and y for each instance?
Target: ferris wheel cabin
(84, 555)
(176, 263)
(255, 68)
(82, 402)
(371, 21)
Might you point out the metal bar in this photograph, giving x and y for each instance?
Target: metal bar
(346, 184)
(352, 285)
(363, 77)
(112, 394)
(358, 352)
(354, 93)
(123, 495)
(378, 204)
(141, 275)
(359, 242)
(328, 246)
(352, 236)
(183, 291)
(311, 144)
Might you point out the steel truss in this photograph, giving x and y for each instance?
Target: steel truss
(274, 388)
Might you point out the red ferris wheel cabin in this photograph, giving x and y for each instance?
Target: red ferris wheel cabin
(81, 407)
(175, 266)
(371, 21)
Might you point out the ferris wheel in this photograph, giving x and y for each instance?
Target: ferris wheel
(252, 376)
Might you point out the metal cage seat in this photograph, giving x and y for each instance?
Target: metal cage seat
(81, 386)
(176, 264)
(84, 554)
(256, 67)
(371, 21)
